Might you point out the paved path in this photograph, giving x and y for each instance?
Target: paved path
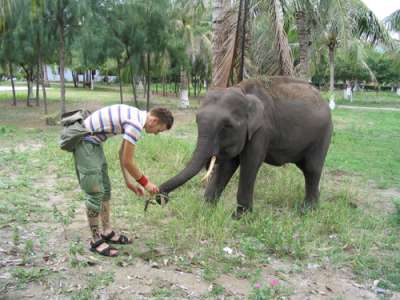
(368, 108)
(17, 88)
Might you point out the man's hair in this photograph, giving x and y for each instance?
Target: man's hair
(164, 115)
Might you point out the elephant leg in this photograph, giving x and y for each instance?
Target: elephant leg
(311, 166)
(223, 173)
(312, 170)
(250, 161)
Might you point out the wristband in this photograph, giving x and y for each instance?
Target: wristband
(143, 181)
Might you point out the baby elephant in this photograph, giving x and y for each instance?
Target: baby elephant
(280, 121)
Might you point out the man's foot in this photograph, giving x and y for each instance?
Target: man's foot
(113, 238)
(102, 248)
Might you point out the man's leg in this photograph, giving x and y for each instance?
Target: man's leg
(106, 210)
(89, 161)
(105, 204)
(93, 219)
(105, 216)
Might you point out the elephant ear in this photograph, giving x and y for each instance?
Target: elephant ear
(255, 115)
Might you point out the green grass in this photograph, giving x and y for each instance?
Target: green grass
(193, 234)
(367, 98)
(367, 144)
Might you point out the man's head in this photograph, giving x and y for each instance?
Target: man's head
(158, 120)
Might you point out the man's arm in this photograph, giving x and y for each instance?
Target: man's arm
(136, 189)
(128, 165)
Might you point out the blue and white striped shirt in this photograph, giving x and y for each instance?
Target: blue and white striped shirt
(113, 120)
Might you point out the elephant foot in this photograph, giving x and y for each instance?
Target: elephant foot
(308, 206)
(240, 211)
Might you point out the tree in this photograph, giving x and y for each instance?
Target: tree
(8, 44)
(192, 27)
(233, 39)
(393, 21)
(67, 20)
(154, 23)
(123, 38)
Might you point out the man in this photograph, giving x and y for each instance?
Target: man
(91, 165)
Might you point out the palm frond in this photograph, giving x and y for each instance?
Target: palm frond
(393, 21)
(272, 58)
(228, 53)
(367, 26)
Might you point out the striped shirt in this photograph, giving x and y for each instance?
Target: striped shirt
(113, 120)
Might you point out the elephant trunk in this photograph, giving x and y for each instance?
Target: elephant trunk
(204, 150)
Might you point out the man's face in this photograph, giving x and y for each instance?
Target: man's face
(155, 126)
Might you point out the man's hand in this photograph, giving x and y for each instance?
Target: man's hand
(138, 190)
(151, 188)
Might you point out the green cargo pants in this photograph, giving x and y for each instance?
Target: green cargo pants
(92, 172)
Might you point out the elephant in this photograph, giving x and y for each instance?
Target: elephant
(278, 121)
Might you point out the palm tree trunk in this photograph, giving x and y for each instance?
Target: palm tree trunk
(133, 82)
(331, 71)
(217, 19)
(303, 67)
(243, 39)
(12, 84)
(184, 89)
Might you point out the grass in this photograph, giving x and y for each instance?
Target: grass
(367, 98)
(192, 234)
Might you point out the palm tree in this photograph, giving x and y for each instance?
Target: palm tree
(190, 23)
(393, 21)
(246, 21)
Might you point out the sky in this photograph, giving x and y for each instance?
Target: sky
(382, 8)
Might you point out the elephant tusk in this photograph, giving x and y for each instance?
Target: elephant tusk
(210, 169)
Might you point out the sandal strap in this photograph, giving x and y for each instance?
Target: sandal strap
(107, 251)
(96, 243)
(123, 239)
(109, 236)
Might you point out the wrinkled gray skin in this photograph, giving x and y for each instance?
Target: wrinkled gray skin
(246, 125)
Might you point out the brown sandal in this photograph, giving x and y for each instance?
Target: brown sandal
(122, 239)
(105, 252)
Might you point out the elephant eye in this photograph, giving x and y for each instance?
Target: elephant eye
(228, 126)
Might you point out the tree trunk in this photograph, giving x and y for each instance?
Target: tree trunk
(148, 82)
(163, 85)
(217, 19)
(43, 89)
(12, 84)
(331, 71)
(75, 78)
(304, 45)
(28, 96)
(38, 79)
(120, 83)
(91, 80)
(184, 89)
(46, 77)
(134, 90)
(62, 61)
(242, 46)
